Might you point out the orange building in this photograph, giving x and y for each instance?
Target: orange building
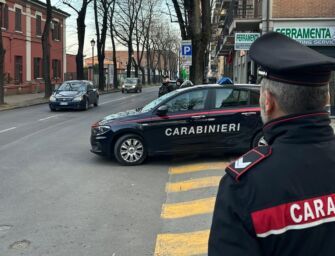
(22, 27)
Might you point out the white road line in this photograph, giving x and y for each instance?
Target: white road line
(46, 118)
(9, 129)
(106, 102)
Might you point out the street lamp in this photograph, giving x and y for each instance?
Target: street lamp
(92, 44)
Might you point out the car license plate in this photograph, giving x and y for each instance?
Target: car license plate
(63, 103)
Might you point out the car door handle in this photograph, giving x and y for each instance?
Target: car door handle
(198, 117)
(249, 113)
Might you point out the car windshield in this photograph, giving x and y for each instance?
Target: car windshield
(72, 87)
(130, 81)
(157, 101)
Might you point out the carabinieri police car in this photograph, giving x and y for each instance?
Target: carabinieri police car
(197, 119)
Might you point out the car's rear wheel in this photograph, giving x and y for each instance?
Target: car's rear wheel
(259, 140)
(130, 150)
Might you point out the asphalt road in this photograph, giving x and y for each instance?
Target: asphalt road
(57, 198)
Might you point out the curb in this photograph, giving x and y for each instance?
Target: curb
(39, 101)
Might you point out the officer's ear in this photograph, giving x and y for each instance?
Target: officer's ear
(270, 103)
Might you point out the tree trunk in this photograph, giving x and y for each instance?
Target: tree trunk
(181, 21)
(46, 52)
(2, 56)
(130, 53)
(101, 58)
(115, 82)
(148, 66)
(143, 74)
(81, 39)
(200, 38)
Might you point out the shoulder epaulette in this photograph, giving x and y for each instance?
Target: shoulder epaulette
(237, 168)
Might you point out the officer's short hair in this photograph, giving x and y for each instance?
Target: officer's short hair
(294, 99)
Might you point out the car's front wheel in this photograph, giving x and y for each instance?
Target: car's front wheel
(130, 150)
(86, 104)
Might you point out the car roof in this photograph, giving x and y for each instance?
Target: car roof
(254, 87)
(77, 81)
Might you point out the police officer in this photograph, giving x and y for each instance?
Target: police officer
(280, 199)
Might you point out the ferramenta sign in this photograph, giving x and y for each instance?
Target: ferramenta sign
(243, 41)
(312, 36)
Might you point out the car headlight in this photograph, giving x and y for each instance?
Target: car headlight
(78, 98)
(123, 86)
(52, 98)
(133, 86)
(100, 130)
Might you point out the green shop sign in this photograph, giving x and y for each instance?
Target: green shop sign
(243, 41)
(312, 36)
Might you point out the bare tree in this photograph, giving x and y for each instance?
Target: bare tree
(194, 18)
(112, 35)
(81, 27)
(101, 9)
(2, 59)
(46, 51)
(127, 14)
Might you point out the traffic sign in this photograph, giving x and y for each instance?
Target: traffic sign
(186, 48)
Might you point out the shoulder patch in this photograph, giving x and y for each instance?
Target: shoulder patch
(237, 168)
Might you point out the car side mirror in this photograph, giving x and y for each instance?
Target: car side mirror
(162, 110)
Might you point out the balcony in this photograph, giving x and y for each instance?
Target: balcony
(242, 16)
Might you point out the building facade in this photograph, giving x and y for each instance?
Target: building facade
(22, 27)
(308, 21)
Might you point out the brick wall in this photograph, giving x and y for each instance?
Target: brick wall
(303, 8)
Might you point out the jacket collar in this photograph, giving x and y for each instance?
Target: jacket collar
(300, 128)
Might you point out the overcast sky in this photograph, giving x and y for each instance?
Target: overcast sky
(71, 29)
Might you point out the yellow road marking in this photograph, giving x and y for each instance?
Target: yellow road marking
(198, 168)
(189, 208)
(212, 181)
(183, 244)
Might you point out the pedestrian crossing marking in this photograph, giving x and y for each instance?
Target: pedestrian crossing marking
(198, 167)
(212, 181)
(189, 208)
(182, 244)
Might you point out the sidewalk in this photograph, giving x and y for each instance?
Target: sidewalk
(23, 100)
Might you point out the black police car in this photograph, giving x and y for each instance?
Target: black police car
(197, 119)
(74, 94)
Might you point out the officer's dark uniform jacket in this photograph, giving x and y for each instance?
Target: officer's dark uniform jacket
(280, 199)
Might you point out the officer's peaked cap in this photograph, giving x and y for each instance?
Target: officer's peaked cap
(285, 60)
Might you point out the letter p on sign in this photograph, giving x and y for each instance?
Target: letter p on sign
(187, 50)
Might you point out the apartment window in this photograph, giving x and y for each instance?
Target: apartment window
(56, 68)
(38, 25)
(4, 15)
(18, 25)
(37, 68)
(18, 69)
(56, 31)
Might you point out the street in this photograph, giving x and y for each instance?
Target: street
(57, 198)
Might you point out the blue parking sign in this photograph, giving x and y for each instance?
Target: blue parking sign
(186, 50)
